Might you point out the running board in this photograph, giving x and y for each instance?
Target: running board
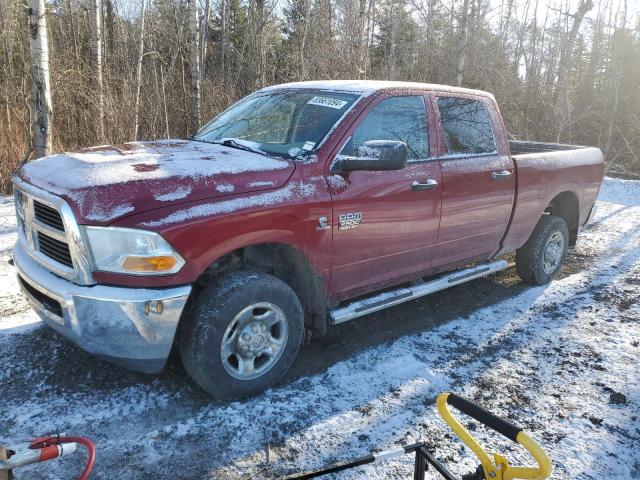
(401, 295)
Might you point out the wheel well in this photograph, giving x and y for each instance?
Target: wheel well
(565, 205)
(286, 263)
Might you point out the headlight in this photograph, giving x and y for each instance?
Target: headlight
(130, 251)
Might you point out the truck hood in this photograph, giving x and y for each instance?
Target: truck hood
(103, 184)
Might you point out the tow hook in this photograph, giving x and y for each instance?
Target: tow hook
(155, 306)
(47, 448)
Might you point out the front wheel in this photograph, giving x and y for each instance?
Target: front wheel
(241, 334)
(539, 260)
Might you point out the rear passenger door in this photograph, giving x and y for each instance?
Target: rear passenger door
(478, 179)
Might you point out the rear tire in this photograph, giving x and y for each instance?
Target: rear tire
(241, 334)
(539, 260)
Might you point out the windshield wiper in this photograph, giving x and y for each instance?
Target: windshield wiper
(196, 139)
(233, 143)
(240, 145)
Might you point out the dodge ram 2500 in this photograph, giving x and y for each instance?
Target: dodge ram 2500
(300, 207)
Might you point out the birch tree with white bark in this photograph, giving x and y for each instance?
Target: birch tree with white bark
(194, 63)
(136, 129)
(95, 16)
(41, 110)
(561, 70)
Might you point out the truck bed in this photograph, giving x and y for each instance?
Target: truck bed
(522, 147)
(544, 172)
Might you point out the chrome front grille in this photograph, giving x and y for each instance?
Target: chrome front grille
(50, 234)
(55, 249)
(47, 215)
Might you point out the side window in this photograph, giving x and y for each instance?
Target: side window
(394, 118)
(466, 126)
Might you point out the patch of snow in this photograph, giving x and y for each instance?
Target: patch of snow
(225, 188)
(294, 151)
(177, 194)
(369, 152)
(19, 323)
(16, 317)
(293, 190)
(261, 184)
(104, 212)
(362, 87)
(621, 192)
(337, 181)
(64, 173)
(546, 358)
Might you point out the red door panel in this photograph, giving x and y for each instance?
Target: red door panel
(397, 232)
(477, 188)
(475, 208)
(398, 223)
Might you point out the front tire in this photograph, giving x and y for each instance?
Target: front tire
(539, 260)
(241, 334)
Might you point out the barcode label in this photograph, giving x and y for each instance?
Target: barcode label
(327, 102)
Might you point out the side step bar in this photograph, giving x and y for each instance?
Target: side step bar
(395, 297)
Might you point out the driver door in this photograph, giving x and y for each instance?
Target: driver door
(386, 222)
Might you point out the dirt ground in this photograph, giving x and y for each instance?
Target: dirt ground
(368, 384)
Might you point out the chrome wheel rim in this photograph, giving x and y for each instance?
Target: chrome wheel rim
(254, 341)
(553, 252)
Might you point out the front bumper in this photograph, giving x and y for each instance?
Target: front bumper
(131, 327)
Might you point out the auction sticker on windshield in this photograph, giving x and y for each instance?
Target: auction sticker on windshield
(327, 102)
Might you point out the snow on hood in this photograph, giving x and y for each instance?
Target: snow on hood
(108, 182)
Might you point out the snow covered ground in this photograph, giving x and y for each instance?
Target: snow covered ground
(548, 358)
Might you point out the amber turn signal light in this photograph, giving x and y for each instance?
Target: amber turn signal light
(149, 264)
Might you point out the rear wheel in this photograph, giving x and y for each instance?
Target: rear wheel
(241, 334)
(540, 259)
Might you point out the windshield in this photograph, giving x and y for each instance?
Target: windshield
(289, 123)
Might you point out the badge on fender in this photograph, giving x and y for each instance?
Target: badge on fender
(349, 220)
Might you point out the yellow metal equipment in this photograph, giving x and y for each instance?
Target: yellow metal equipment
(499, 468)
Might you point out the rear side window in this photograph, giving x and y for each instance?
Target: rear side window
(395, 118)
(466, 126)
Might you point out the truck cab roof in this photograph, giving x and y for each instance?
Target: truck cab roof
(369, 87)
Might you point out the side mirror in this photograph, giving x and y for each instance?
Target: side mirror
(375, 155)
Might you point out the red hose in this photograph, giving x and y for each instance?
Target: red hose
(58, 439)
(91, 450)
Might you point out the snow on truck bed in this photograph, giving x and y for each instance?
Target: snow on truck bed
(548, 358)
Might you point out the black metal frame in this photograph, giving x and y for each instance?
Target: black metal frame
(423, 458)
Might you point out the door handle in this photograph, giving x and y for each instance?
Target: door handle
(501, 174)
(430, 184)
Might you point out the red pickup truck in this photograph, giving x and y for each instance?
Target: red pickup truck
(300, 207)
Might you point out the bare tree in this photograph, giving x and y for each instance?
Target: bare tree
(194, 63)
(205, 36)
(136, 129)
(306, 8)
(224, 37)
(362, 32)
(462, 42)
(561, 107)
(556, 74)
(393, 22)
(259, 44)
(109, 27)
(40, 83)
(95, 15)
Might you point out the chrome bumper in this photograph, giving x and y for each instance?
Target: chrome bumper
(131, 327)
